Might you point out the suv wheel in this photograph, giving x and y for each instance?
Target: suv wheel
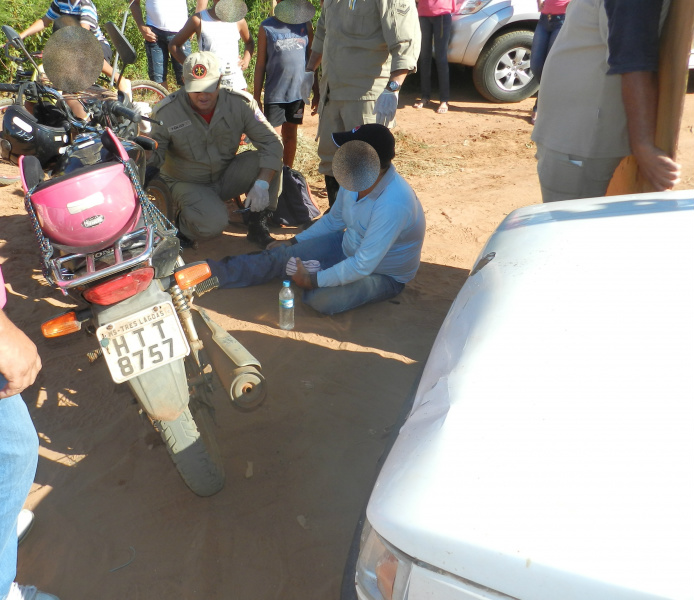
(502, 72)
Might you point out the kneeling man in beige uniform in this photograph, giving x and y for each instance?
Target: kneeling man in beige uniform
(197, 153)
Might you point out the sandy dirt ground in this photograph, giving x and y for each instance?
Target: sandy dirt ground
(301, 466)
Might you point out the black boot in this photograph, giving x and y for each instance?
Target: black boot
(258, 231)
(331, 186)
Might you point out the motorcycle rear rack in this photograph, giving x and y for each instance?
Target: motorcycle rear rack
(64, 278)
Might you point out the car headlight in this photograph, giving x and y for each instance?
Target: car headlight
(383, 572)
(469, 7)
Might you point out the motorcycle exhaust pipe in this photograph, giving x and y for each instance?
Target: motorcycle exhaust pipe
(236, 367)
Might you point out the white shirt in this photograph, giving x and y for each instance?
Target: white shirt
(167, 15)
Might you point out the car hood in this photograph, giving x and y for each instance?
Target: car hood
(550, 450)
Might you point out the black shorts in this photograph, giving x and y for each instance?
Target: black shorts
(285, 112)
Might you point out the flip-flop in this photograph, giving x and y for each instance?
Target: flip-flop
(421, 103)
(442, 109)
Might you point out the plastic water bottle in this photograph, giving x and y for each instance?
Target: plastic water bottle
(286, 306)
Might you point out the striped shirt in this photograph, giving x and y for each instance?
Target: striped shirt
(84, 9)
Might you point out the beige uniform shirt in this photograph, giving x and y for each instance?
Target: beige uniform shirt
(362, 42)
(190, 150)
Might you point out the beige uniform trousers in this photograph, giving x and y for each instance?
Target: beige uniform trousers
(336, 116)
(201, 207)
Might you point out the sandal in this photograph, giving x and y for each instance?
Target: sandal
(442, 109)
(421, 103)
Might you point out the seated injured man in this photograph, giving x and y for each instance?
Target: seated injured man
(364, 250)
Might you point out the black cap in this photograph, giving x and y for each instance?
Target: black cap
(377, 136)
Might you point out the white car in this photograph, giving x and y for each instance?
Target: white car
(494, 38)
(549, 451)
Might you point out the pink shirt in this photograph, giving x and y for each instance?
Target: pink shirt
(554, 7)
(434, 8)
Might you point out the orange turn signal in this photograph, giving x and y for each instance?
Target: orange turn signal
(62, 325)
(192, 274)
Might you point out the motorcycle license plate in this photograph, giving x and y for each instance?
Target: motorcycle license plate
(142, 342)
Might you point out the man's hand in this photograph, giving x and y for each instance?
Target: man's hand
(307, 86)
(258, 198)
(19, 359)
(301, 277)
(658, 168)
(148, 34)
(278, 244)
(385, 107)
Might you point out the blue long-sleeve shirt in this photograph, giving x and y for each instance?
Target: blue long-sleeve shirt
(384, 232)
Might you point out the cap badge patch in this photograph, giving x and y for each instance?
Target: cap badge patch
(199, 71)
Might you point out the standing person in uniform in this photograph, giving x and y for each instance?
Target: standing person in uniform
(164, 19)
(197, 147)
(219, 30)
(598, 99)
(85, 11)
(19, 448)
(283, 46)
(367, 48)
(552, 14)
(435, 18)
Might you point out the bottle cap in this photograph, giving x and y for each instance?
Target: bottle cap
(286, 283)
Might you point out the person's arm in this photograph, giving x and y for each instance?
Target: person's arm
(35, 27)
(249, 45)
(315, 100)
(403, 36)
(316, 44)
(146, 32)
(201, 5)
(191, 28)
(260, 62)
(19, 360)
(640, 95)
(633, 43)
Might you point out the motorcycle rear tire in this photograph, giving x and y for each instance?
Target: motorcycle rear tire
(147, 91)
(193, 448)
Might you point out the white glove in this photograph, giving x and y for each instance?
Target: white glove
(258, 198)
(312, 266)
(307, 86)
(385, 107)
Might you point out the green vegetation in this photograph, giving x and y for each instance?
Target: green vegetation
(20, 15)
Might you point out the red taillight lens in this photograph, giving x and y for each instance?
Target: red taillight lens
(120, 288)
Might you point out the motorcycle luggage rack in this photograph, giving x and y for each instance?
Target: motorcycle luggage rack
(66, 279)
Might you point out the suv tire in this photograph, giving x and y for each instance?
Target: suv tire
(502, 72)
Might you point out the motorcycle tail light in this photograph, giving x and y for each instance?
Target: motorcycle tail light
(120, 288)
(192, 274)
(61, 325)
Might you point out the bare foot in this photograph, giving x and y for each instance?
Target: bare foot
(443, 108)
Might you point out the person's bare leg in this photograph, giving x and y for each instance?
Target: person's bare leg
(289, 135)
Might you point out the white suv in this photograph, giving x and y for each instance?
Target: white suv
(494, 38)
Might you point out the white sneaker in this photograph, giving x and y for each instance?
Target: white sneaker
(25, 522)
(28, 592)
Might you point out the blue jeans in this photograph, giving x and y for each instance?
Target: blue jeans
(253, 269)
(19, 452)
(436, 30)
(158, 57)
(545, 33)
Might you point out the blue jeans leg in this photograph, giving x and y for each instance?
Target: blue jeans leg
(158, 57)
(427, 29)
(254, 269)
(442, 35)
(19, 446)
(545, 34)
(333, 300)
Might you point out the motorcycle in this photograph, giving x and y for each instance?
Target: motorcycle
(40, 121)
(104, 244)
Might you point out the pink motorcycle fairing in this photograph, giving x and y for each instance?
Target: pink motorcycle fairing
(88, 209)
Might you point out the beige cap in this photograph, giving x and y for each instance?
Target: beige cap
(201, 72)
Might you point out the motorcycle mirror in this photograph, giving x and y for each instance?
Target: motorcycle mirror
(122, 45)
(63, 71)
(11, 35)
